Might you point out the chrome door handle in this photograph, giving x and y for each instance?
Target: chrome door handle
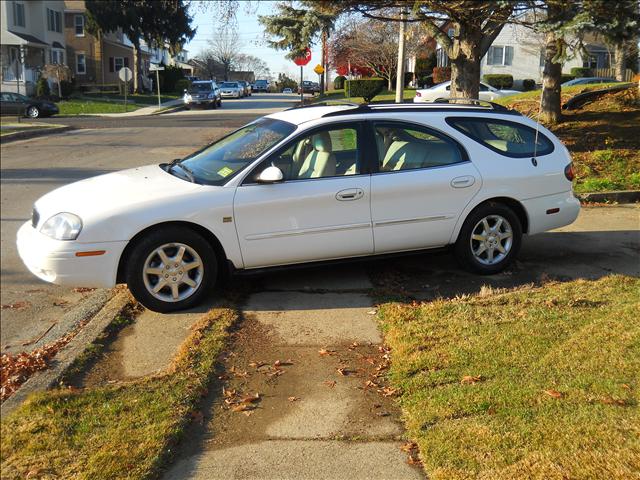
(462, 182)
(349, 194)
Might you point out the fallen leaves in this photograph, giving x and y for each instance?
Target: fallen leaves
(324, 352)
(411, 448)
(470, 379)
(293, 399)
(15, 369)
(15, 306)
(553, 393)
(83, 289)
(329, 383)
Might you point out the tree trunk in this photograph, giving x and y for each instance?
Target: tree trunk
(322, 63)
(551, 78)
(136, 67)
(465, 65)
(620, 57)
(400, 70)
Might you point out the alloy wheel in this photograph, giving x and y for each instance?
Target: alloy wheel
(173, 272)
(33, 112)
(491, 239)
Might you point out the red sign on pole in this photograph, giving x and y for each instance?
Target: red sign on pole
(304, 59)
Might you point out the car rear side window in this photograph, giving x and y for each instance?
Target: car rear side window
(507, 138)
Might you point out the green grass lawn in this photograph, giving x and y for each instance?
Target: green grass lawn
(118, 431)
(140, 99)
(77, 106)
(540, 382)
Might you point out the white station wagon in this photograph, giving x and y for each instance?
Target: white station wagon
(303, 185)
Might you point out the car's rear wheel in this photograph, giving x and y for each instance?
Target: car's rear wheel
(171, 269)
(490, 239)
(33, 112)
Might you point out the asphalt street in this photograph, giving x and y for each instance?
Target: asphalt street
(31, 168)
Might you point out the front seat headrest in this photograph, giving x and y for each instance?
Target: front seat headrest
(322, 142)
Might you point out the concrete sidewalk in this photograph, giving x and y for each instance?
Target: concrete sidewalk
(310, 347)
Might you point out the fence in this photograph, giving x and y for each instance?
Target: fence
(611, 72)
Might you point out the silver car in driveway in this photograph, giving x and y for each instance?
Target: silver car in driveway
(246, 86)
(231, 89)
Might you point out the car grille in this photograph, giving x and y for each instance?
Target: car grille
(35, 218)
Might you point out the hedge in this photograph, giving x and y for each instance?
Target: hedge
(182, 85)
(499, 80)
(366, 88)
(565, 77)
(581, 72)
(441, 74)
(528, 84)
(42, 87)
(338, 82)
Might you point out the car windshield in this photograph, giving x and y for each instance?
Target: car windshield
(229, 84)
(200, 87)
(218, 162)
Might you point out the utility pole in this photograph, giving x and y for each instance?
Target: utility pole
(400, 69)
(323, 62)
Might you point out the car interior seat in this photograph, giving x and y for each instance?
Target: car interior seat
(320, 162)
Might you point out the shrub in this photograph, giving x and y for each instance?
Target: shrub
(441, 74)
(499, 80)
(338, 82)
(182, 85)
(565, 77)
(580, 72)
(42, 87)
(528, 84)
(424, 65)
(366, 88)
(168, 78)
(66, 87)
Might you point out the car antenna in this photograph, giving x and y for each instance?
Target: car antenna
(534, 159)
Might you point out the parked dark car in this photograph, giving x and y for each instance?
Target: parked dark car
(205, 93)
(310, 87)
(17, 104)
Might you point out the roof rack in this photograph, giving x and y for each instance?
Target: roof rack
(445, 105)
(325, 104)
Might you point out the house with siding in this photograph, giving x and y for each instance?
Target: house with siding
(31, 36)
(95, 60)
(518, 51)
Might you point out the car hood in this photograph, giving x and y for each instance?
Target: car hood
(109, 195)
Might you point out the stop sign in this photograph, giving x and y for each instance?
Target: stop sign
(304, 59)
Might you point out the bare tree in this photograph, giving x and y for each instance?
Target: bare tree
(372, 44)
(253, 64)
(225, 48)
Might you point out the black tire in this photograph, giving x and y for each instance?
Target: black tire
(220, 102)
(214, 105)
(464, 244)
(143, 248)
(33, 111)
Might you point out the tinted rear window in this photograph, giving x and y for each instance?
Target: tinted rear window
(507, 138)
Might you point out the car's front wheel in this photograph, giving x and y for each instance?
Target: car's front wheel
(33, 112)
(490, 239)
(171, 269)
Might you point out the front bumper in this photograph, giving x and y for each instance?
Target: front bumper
(230, 94)
(56, 262)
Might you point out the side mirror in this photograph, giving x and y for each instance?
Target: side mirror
(270, 175)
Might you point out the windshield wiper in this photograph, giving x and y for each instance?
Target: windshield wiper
(187, 171)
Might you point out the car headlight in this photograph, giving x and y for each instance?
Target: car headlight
(212, 95)
(62, 226)
(187, 98)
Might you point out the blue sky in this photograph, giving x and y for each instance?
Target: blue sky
(251, 35)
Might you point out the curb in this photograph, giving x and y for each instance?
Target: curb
(48, 378)
(10, 137)
(177, 108)
(620, 197)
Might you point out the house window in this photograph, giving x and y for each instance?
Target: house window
(500, 56)
(54, 21)
(118, 63)
(81, 64)
(18, 14)
(451, 32)
(79, 25)
(57, 56)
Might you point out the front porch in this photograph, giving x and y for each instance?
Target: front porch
(22, 60)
